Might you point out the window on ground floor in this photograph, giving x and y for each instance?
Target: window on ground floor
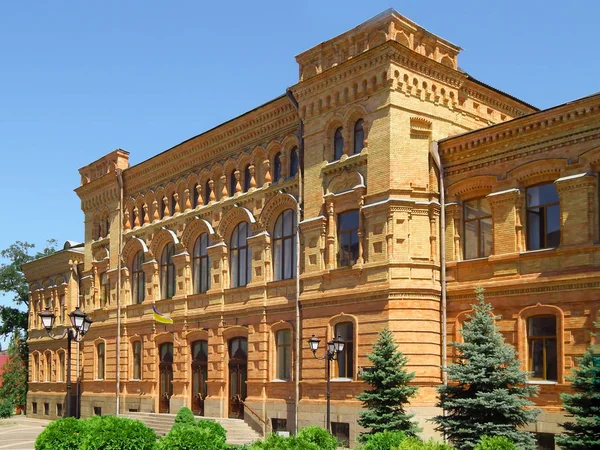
(542, 348)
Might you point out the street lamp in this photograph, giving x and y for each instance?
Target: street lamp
(80, 325)
(334, 348)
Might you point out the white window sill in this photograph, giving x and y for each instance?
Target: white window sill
(277, 380)
(548, 382)
(341, 380)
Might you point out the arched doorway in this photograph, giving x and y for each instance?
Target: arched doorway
(166, 376)
(238, 374)
(199, 375)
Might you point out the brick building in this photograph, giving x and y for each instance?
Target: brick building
(207, 232)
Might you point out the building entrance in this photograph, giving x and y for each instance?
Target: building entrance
(166, 377)
(199, 376)
(238, 374)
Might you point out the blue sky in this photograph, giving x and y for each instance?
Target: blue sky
(79, 79)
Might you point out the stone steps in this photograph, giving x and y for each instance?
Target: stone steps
(238, 431)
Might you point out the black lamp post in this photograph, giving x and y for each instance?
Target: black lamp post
(80, 325)
(334, 348)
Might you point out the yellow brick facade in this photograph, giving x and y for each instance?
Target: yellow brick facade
(402, 83)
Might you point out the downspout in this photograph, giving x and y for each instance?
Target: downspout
(77, 368)
(118, 359)
(298, 220)
(434, 151)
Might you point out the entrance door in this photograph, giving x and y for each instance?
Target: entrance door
(238, 374)
(166, 377)
(199, 375)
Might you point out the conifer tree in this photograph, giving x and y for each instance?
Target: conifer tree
(390, 390)
(487, 392)
(584, 404)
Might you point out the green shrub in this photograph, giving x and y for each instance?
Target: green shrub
(6, 408)
(385, 440)
(412, 443)
(116, 433)
(318, 436)
(62, 434)
(495, 443)
(190, 437)
(214, 428)
(184, 416)
(276, 442)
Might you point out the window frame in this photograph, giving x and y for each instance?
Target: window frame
(136, 359)
(543, 231)
(543, 339)
(350, 232)
(348, 352)
(247, 178)
(138, 277)
(232, 183)
(477, 220)
(62, 367)
(359, 136)
(168, 281)
(200, 261)
(236, 261)
(279, 246)
(286, 348)
(294, 162)
(338, 143)
(277, 167)
(100, 361)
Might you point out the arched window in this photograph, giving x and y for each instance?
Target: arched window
(172, 206)
(284, 245)
(100, 361)
(294, 163)
(132, 218)
(199, 375)
(542, 347)
(61, 366)
(277, 168)
(106, 227)
(161, 208)
(142, 215)
(167, 271)
(48, 366)
(232, 183)
(283, 339)
(338, 144)
(138, 278)
(345, 361)
(207, 192)
(240, 257)
(36, 367)
(348, 237)
(359, 136)
(247, 178)
(136, 369)
(195, 195)
(200, 265)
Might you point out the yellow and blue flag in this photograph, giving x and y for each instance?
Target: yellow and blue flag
(159, 317)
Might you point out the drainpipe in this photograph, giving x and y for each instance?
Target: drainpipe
(298, 220)
(77, 368)
(118, 360)
(434, 151)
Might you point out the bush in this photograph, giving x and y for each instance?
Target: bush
(412, 443)
(276, 442)
(191, 437)
(385, 440)
(214, 428)
(184, 416)
(318, 436)
(495, 443)
(6, 408)
(62, 434)
(116, 433)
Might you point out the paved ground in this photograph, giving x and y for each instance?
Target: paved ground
(19, 432)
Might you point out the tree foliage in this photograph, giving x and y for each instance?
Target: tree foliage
(390, 391)
(14, 283)
(487, 393)
(584, 405)
(14, 378)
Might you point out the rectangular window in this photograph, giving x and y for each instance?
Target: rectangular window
(348, 238)
(48, 367)
(104, 288)
(61, 366)
(543, 217)
(279, 424)
(545, 441)
(46, 409)
(137, 360)
(541, 339)
(478, 236)
(59, 409)
(341, 431)
(345, 359)
(61, 311)
(97, 411)
(284, 354)
(100, 356)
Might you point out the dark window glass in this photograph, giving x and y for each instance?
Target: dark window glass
(48, 367)
(277, 168)
(345, 361)
(545, 441)
(341, 431)
(284, 354)
(294, 162)
(161, 208)
(240, 256)
(195, 195)
(132, 218)
(100, 360)
(167, 271)
(232, 183)
(173, 203)
(478, 236)
(543, 217)
(201, 267)
(104, 288)
(137, 360)
(207, 193)
(142, 215)
(61, 366)
(138, 278)
(247, 178)
(200, 367)
(348, 237)
(541, 338)
(359, 136)
(284, 245)
(278, 424)
(338, 144)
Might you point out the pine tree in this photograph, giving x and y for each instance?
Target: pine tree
(14, 378)
(584, 432)
(385, 401)
(487, 393)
